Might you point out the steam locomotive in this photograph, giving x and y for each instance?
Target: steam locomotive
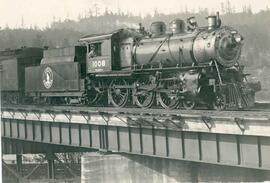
(183, 67)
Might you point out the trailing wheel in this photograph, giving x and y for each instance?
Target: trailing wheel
(94, 92)
(118, 93)
(143, 95)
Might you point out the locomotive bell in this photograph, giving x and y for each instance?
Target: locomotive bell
(177, 26)
(158, 28)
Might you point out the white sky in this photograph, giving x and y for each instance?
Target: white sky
(41, 12)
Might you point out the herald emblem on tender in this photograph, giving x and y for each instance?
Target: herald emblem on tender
(47, 77)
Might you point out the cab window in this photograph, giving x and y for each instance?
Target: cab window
(94, 50)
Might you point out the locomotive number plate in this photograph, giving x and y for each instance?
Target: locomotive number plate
(98, 63)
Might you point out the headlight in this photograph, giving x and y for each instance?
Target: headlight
(238, 38)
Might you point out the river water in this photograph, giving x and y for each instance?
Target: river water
(126, 168)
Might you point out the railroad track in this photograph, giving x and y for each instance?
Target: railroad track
(260, 111)
(248, 122)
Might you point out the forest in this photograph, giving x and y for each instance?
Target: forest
(60, 33)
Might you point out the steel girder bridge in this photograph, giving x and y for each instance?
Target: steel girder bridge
(234, 138)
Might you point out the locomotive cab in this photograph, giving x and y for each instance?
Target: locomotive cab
(109, 52)
(98, 55)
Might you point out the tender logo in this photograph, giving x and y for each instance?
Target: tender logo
(47, 77)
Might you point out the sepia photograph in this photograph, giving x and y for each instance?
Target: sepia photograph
(124, 91)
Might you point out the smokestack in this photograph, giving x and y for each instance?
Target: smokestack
(212, 22)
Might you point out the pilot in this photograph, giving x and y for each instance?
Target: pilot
(92, 52)
(192, 24)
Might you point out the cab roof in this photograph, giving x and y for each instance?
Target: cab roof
(120, 32)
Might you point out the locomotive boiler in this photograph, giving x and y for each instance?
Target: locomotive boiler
(180, 48)
(184, 66)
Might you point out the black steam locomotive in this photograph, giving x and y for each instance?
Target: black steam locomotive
(185, 66)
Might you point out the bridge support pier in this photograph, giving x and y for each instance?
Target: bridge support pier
(50, 166)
